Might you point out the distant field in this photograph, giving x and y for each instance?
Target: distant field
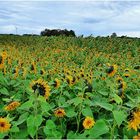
(69, 87)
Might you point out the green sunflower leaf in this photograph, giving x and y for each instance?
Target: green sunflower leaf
(87, 112)
(119, 117)
(99, 129)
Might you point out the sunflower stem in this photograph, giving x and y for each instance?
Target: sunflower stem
(60, 120)
(61, 92)
(112, 130)
(36, 109)
(78, 118)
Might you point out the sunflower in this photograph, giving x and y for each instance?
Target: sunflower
(82, 74)
(68, 72)
(9, 61)
(4, 54)
(111, 70)
(78, 77)
(88, 122)
(137, 67)
(42, 71)
(1, 62)
(88, 86)
(121, 86)
(1, 59)
(12, 106)
(59, 112)
(119, 79)
(137, 137)
(74, 71)
(89, 78)
(33, 67)
(56, 83)
(74, 79)
(127, 70)
(126, 75)
(4, 70)
(134, 123)
(20, 63)
(24, 72)
(42, 87)
(4, 125)
(15, 72)
(102, 77)
(69, 80)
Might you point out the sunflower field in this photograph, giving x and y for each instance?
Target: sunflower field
(69, 87)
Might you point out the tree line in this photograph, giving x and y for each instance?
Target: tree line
(57, 32)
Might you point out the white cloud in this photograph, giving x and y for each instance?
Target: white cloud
(90, 17)
(133, 34)
(8, 29)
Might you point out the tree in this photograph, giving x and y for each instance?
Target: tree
(114, 35)
(57, 32)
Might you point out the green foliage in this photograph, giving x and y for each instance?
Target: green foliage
(99, 129)
(119, 117)
(84, 87)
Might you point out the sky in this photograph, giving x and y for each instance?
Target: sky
(99, 18)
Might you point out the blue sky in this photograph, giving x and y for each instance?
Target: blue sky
(84, 17)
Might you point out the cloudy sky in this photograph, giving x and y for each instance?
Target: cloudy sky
(84, 17)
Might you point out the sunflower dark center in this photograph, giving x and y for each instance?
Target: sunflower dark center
(120, 92)
(74, 79)
(74, 71)
(119, 81)
(68, 80)
(110, 69)
(120, 86)
(82, 74)
(1, 59)
(3, 70)
(55, 84)
(34, 87)
(41, 90)
(41, 72)
(59, 112)
(78, 77)
(89, 87)
(2, 124)
(14, 71)
(126, 76)
(88, 122)
(137, 67)
(22, 64)
(32, 67)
